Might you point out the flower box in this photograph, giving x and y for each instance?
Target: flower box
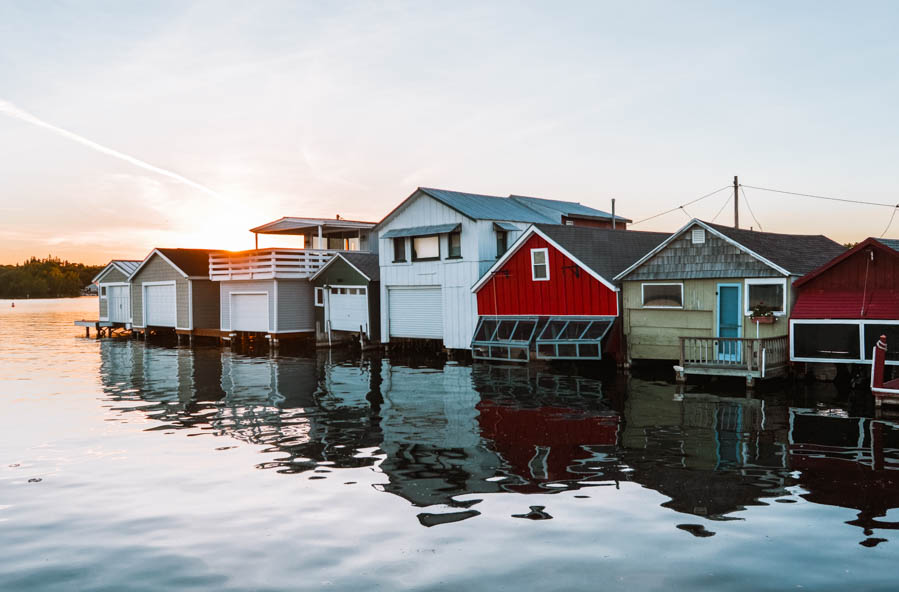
(763, 320)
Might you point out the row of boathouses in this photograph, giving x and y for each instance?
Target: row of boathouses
(520, 278)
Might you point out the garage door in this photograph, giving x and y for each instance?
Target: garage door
(119, 304)
(249, 312)
(348, 309)
(160, 305)
(416, 312)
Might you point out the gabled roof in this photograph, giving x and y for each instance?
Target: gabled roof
(789, 254)
(191, 263)
(602, 252)
(366, 264)
(569, 209)
(885, 245)
(515, 208)
(126, 266)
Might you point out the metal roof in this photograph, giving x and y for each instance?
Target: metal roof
(569, 209)
(846, 304)
(892, 243)
(126, 266)
(505, 226)
(487, 207)
(288, 225)
(421, 230)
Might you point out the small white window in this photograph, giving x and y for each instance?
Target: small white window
(663, 295)
(766, 296)
(698, 236)
(540, 265)
(319, 297)
(102, 291)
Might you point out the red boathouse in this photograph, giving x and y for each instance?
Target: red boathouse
(844, 306)
(552, 289)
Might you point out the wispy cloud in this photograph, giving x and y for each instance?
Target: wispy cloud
(11, 110)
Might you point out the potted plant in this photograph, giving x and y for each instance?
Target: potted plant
(762, 314)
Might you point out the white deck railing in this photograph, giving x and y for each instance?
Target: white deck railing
(267, 264)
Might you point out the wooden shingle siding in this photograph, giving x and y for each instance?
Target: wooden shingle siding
(228, 287)
(715, 258)
(295, 306)
(112, 275)
(205, 304)
(158, 270)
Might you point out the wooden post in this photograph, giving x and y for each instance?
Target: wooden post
(736, 203)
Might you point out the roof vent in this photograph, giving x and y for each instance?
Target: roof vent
(698, 236)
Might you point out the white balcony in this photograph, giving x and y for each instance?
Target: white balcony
(267, 264)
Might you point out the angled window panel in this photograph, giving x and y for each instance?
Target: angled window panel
(573, 338)
(503, 338)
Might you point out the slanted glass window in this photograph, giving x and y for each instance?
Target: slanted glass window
(766, 295)
(425, 248)
(455, 245)
(663, 295)
(540, 265)
(826, 341)
(319, 297)
(502, 238)
(565, 338)
(503, 338)
(399, 250)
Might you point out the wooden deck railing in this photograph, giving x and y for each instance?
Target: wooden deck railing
(750, 356)
(267, 264)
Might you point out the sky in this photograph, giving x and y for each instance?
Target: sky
(130, 125)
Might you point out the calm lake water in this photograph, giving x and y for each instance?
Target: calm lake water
(126, 466)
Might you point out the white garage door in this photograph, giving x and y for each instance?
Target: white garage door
(160, 305)
(249, 312)
(348, 309)
(416, 312)
(119, 304)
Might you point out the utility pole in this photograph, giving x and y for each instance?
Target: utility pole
(613, 213)
(736, 202)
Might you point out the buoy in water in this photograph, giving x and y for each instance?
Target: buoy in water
(13, 304)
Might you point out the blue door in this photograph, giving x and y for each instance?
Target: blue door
(729, 321)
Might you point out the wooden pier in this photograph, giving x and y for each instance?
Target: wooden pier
(752, 359)
(104, 328)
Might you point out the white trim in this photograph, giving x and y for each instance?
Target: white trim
(545, 263)
(764, 282)
(861, 339)
(677, 234)
(331, 260)
(643, 296)
(190, 305)
(318, 291)
(164, 258)
(274, 322)
(517, 244)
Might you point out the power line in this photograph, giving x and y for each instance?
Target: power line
(842, 199)
(746, 199)
(727, 201)
(890, 223)
(681, 207)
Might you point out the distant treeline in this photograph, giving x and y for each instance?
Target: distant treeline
(45, 278)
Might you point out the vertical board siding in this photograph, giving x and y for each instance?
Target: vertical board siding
(858, 270)
(566, 293)
(245, 286)
(205, 304)
(296, 306)
(158, 270)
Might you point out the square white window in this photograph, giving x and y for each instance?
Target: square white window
(319, 297)
(540, 265)
(663, 295)
(766, 296)
(425, 247)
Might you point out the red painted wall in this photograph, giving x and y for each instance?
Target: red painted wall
(882, 273)
(564, 293)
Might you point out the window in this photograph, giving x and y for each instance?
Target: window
(766, 295)
(501, 242)
(663, 295)
(826, 341)
(455, 245)
(399, 250)
(540, 265)
(102, 291)
(319, 297)
(698, 236)
(425, 248)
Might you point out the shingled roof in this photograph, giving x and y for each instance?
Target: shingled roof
(796, 253)
(605, 251)
(367, 263)
(193, 262)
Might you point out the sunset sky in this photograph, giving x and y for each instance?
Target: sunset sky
(128, 125)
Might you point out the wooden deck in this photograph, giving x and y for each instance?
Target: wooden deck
(752, 359)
